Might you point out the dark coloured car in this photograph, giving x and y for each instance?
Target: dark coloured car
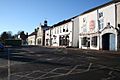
(1, 47)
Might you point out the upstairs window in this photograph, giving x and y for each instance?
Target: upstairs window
(63, 29)
(101, 21)
(100, 14)
(84, 26)
(60, 30)
(66, 28)
(55, 30)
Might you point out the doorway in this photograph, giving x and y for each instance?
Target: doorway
(108, 41)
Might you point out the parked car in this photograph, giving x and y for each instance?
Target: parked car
(1, 47)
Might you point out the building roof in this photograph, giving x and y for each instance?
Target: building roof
(33, 33)
(64, 21)
(98, 7)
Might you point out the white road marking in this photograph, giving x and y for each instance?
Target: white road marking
(60, 75)
(52, 71)
(89, 66)
(8, 64)
(49, 59)
(61, 59)
(72, 70)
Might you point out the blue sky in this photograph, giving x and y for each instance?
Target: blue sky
(18, 15)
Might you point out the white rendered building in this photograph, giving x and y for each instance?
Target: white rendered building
(32, 38)
(64, 33)
(98, 29)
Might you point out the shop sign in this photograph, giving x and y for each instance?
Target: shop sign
(92, 25)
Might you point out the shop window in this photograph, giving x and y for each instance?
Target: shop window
(94, 41)
(84, 41)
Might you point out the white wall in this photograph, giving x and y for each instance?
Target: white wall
(118, 13)
(39, 35)
(109, 15)
(88, 17)
(75, 32)
(47, 36)
(58, 30)
(86, 29)
(31, 40)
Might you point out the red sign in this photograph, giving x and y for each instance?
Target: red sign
(92, 25)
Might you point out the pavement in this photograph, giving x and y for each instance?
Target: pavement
(46, 63)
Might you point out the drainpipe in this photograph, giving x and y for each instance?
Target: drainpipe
(116, 26)
(98, 28)
(50, 37)
(72, 31)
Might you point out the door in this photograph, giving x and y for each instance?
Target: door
(112, 41)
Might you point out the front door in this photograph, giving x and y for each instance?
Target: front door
(108, 41)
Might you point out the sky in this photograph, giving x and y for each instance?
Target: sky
(26, 15)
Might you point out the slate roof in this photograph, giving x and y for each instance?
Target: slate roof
(33, 33)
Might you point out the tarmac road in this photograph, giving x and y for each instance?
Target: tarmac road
(46, 63)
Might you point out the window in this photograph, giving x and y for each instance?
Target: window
(84, 41)
(55, 30)
(101, 21)
(47, 42)
(60, 30)
(84, 20)
(67, 30)
(39, 41)
(94, 41)
(63, 30)
(100, 14)
(84, 26)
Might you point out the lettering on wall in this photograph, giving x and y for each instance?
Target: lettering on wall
(92, 25)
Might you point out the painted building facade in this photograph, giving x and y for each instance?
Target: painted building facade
(98, 28)
(64, 34)
(48, 37)
(61, 34)
(32, 38)
(40, 40)
(118, 22)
